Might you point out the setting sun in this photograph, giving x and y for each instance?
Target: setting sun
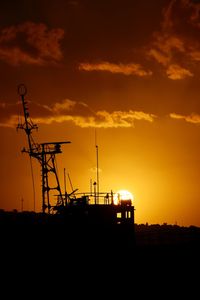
(122, 195)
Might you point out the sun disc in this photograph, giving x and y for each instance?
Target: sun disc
(122, 195)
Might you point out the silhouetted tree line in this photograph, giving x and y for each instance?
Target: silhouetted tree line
(167, 234)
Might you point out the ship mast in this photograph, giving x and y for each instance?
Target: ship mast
(45, 153)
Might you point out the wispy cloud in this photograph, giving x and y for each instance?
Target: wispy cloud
(116, 119)
(94, 170)
(125, 69)
(164, 47)
(102, 119)
(8, 114)
(176, 45)
(30, 43)
(176, 72)
(161, 57)
(78, 113)
(192, 118)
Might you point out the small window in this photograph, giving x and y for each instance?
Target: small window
(119, 215)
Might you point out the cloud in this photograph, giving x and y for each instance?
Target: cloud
(192, 118)
(159, 56)
(164, 47)
(116, 119)
(8, 117)
(195, 55)
(94, 170)
(126, 69)
(78, 113)
(176, 46)
(176, 72)
(73, 3)
(30, 43)
(65, 105)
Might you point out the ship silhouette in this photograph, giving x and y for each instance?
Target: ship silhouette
(89, 238)
(95, 216)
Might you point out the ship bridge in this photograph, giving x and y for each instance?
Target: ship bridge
(99, 208)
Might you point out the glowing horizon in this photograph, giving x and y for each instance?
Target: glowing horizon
(131, 73)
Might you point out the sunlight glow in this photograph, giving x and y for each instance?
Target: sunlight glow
(122, 195)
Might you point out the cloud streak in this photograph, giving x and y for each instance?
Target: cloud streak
(192, 118)
(31, 43)
(125, 69)
(78, 113)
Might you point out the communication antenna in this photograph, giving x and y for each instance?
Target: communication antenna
(97, 167)
(45, 153)
(70, 182)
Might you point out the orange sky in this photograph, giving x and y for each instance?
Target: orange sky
(127, 69)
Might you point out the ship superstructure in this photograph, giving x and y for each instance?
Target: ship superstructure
(93, 207)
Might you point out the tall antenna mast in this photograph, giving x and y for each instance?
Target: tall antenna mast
(97, 167)
(45, 153)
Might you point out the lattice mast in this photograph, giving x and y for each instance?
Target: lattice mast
(45, 153)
